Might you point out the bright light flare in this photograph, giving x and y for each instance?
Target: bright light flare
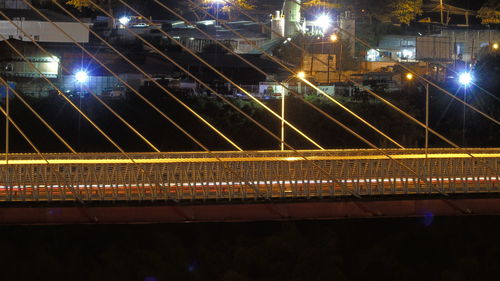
(495, 46)
(124, 20)
(324, 21)
(409, 76)
(465, 78)
(81, 76)
(334, 37)
(301, 74)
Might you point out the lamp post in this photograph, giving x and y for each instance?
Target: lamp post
(409, 77)
(333, 38)
(300, 75)
(81, 77)
(283, 97)
(465, 79)
(7, 123)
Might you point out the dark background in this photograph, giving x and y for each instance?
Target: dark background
(430, 248)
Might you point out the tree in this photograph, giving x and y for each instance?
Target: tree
(490, 12)
(406, 10)
(229, 7)
(106, 4)
(79, 4)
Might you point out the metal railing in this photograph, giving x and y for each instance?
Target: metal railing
(247, 175)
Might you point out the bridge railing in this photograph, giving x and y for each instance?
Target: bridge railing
(257, 175)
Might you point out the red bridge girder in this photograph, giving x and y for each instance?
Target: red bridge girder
(247, 212)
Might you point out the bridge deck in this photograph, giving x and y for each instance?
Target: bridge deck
(227, 176)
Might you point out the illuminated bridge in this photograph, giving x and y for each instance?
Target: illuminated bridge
(209, 186)
(225, 185)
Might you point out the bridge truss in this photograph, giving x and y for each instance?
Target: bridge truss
(174, 179)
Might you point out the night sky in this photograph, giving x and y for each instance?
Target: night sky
(151, 10)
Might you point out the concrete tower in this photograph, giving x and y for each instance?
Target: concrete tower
(291, 12)
(278, 25)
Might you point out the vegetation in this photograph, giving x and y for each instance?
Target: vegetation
(406, 11)
(79, 4)
(228, 8)
(490, 12)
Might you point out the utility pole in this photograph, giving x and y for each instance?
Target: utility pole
(7, 110)
(441, 10)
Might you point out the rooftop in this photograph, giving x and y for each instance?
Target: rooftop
(31, 15)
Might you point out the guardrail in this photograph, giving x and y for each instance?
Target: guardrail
(229, 176)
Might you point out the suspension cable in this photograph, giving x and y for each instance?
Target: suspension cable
(426, 80)
(293, 72)
(251, 184)
(349, 79)
(216, 71)
(356, 83)
(361, 86)
(39, 117)
(87, 88)
(333, 180)
(139, 69)
(185, 48)
(37, 151)
(135, 91)
(73, 105)
(304, 157)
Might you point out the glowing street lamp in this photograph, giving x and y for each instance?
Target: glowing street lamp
(124, 20)
(419, 79)
(465, 79)
(81, 77)
(323, 21)
(495, 46)
(301, 75)
(334, 37)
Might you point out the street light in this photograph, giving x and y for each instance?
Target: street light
(409, 76)
(124, 20)
(301, 74)
(465, 79)
(333, 38)
(495, 46)
(323, 21)
(81, 76)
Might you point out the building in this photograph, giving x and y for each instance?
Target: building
(456, 43)
(28, 80)
(194, 39)
(393, 47)
(13, 4)
(39, 28)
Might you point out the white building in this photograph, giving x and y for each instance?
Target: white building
(393, 48)
(13, 4)
(39, 28)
